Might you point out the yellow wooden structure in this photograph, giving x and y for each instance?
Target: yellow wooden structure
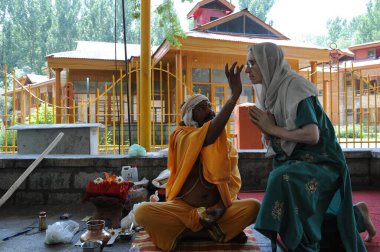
(90, 82)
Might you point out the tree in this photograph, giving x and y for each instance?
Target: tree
(100, 21)
(339, 33)
(361, 29)
(45, 115)
(32, 29)
(259, 8)
(366, 26)
(24, 39)
(166, 19)
(169, 23)
(65, 31)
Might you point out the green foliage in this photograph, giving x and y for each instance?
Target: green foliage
(7, 134)
(165, 22)
(65, 28)
(363, 131)
(366, 26)
(18, 73)
(339, 32)
(32, 29)
(135, 9)
(168, 22)
(41, 116)
(106, 140)
(360, 29)
(26, 26)
(97, 21)
(259, 8)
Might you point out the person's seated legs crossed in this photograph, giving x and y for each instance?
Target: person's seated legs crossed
(202, 189)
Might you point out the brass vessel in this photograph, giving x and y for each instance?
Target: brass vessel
(95, 231)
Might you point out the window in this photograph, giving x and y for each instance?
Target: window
(202, 81)
(201, 75)
(204, 89)
(247, 94)
(219, 76)
(197, 21)
(371, 54)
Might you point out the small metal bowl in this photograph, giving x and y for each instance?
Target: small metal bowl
(92, 246)
(127, 235)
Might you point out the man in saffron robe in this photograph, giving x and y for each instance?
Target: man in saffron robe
(201, 193)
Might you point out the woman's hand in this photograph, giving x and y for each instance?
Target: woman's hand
(264, 120)
(212, 216)
(234, 80)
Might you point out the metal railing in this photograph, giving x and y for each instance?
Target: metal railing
(350, 97)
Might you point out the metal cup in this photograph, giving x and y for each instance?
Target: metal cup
(92, 246)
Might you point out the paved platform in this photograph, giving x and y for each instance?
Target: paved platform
(15, 219)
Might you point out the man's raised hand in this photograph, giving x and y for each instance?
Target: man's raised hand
(234, 80)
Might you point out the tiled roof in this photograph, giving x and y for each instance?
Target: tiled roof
(365, 45)
(101, 51)
(35, 78)
(236, 15)
(360, 63)
(347, 52)
(245, 39)
(347, 64)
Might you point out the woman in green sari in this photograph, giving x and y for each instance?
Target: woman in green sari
(308, 197)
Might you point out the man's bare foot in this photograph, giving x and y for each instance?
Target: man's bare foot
(188, 235)
(371, 229)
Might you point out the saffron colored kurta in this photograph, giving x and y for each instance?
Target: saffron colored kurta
(165, 221)
(302, 186)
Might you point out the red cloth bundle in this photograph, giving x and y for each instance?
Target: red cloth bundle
(111, 186)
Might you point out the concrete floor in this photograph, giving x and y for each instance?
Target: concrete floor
(17, 219)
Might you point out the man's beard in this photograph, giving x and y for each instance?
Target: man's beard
(210, 116)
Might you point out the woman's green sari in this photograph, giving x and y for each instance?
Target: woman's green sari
(303, 187)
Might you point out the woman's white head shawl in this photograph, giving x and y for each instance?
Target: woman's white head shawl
(188, 106)
(282, 88)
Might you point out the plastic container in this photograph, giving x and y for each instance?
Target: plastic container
(129, 173)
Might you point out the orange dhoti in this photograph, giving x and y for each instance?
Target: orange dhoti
(165, 221)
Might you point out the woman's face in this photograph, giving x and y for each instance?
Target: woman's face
(253, 70)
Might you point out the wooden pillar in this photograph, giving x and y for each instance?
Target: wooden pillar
(313, 75)
(294, 64)
(22, 102)
(58, 96)
(179, 87)
(145, 77)
(325, 94)
(69, 89)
